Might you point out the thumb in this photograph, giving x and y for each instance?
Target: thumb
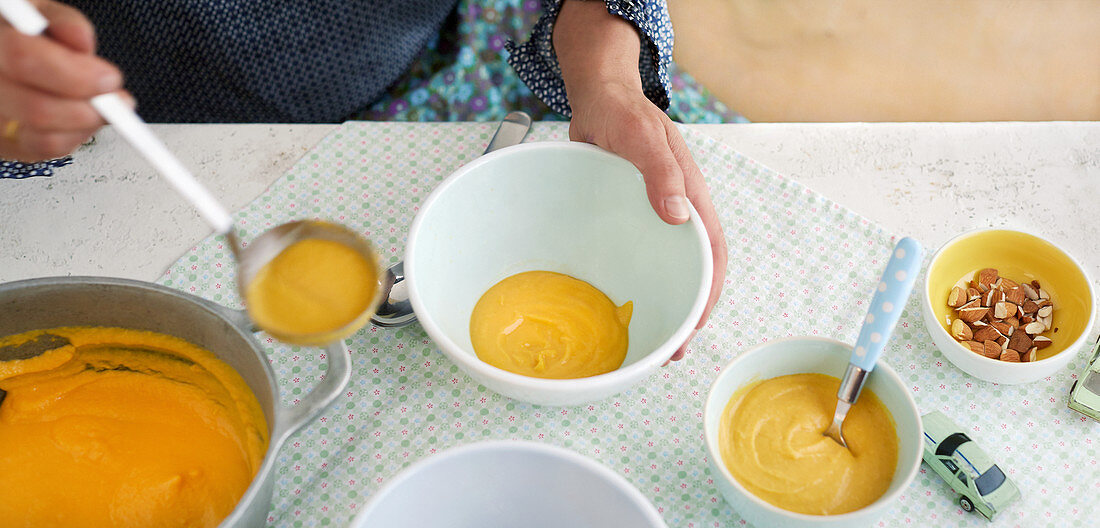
(648, 149)
(664, 179)
(577, 131)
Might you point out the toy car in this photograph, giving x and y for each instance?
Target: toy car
(1084, 395)
(966, 468)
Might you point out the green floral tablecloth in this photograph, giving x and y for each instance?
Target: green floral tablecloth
(799, 265)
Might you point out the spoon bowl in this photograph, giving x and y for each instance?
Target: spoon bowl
(396, 308)
(252, 258)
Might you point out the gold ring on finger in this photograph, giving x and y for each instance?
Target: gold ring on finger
(11, 130)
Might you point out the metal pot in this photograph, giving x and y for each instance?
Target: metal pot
(95, 301)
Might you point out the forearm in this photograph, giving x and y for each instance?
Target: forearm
(596, 51)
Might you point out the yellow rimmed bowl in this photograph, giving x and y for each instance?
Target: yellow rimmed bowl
(1021, 257)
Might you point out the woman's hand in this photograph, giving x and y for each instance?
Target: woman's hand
(598, 54)
(46, 82)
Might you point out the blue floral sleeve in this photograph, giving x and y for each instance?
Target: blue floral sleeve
(537, 65)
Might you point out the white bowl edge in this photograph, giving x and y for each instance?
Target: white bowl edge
(620, 483)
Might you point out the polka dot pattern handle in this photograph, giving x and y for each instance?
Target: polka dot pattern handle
(891, 295)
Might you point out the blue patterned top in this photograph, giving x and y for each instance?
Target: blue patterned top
(536, 63)
(416, 60)
(315, 60)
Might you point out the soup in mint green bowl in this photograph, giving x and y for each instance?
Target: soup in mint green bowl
(806, 362)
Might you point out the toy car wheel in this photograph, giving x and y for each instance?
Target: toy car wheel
(966, 504)
(1074, 386)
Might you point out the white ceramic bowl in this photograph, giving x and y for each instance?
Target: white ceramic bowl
(1018, 256)
(804, 355)
(558, 206)
(508, 483)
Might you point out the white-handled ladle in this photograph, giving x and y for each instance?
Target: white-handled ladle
(891, 294)
(27, 20)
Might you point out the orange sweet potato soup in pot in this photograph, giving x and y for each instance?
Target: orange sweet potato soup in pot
(124, 428)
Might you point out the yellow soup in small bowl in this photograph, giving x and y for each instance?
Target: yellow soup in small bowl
(772, 440)
(764, 427)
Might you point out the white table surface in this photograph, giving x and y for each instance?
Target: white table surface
(109, 214)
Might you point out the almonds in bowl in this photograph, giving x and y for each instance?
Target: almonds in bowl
(1001, 318)
(1019, 258)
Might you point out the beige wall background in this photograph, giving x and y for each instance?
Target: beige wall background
(887, 60)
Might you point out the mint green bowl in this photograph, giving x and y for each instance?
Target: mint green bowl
(800, 355)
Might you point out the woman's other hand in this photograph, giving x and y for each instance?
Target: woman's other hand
(598, 54)
(46, 82)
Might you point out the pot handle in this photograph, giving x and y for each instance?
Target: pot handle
(290, 419)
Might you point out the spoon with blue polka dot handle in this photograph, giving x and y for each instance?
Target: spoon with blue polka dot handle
(891, 294)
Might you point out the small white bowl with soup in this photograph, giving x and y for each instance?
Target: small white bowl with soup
(571, 209)
(761, 422)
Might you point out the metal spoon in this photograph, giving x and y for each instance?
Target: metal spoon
(890, 297)
(265, 247)
(32, 348)
(396, 309)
